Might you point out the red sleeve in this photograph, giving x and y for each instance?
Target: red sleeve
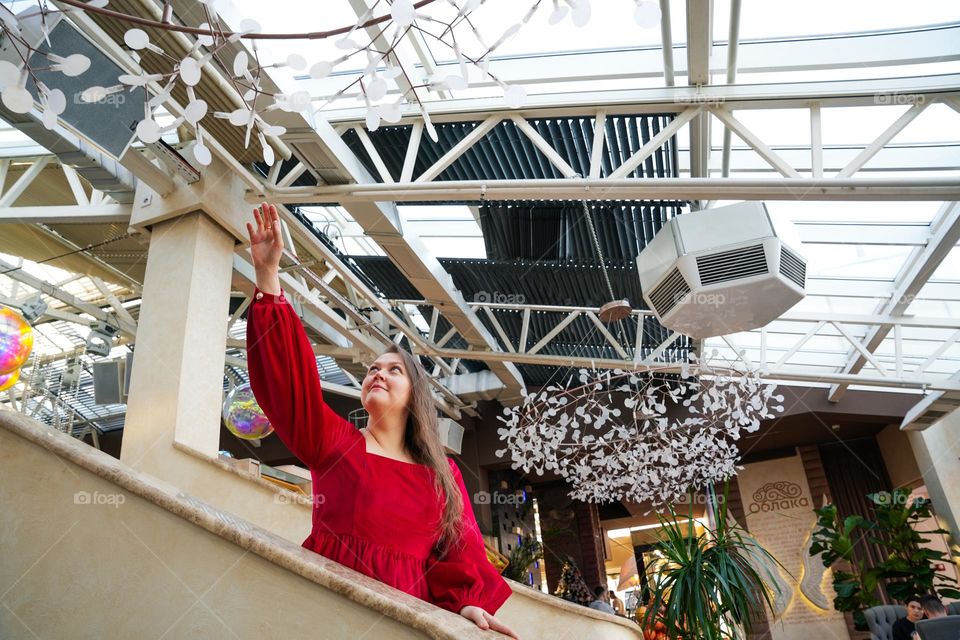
(464, 576)
(285, 381)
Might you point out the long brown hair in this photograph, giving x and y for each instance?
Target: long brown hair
(422, 439)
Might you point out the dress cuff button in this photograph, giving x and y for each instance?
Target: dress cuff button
(259, 295)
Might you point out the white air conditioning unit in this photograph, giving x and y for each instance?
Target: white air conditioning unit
(721, 271)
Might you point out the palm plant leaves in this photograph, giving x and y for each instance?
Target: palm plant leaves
(710, 582)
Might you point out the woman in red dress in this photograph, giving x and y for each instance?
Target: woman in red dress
(387, 501)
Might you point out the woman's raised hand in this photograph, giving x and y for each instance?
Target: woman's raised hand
(266, 247)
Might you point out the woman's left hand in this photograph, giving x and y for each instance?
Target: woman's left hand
(485, 620)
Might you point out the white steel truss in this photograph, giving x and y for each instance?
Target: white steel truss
(943, 236)
(95, 208)
(849, 182)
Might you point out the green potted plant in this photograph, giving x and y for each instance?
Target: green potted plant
(908, 566)
(520, 559)
(709, 582)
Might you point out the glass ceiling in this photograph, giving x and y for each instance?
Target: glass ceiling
(611, 24)
(610, 28)
(854, 273)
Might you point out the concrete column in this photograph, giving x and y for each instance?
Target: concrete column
(176, 384)
(937, 450)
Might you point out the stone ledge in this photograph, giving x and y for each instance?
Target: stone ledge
(566, 605)
(402, 607)
(289, 496)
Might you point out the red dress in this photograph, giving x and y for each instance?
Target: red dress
(371, 513)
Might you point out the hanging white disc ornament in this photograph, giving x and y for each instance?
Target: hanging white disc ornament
(56, 101)
(202, 154)
(9, 74)
(402, 12)
(195, 111)
(515, 95)
(298, 100)
(296, 62)
(148, 131)
(249, 25)
(239, 117)
(136, 39)
(558, 14)
(72, 65)
(321, 70)
(200, 151)
(190, 71)
(581, 12)
(391, 112)
(17, 99)
(376, 89)
(240, 63)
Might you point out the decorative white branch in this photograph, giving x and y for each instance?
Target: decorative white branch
(613, 437)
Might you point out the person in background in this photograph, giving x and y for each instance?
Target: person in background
(904, 627)
(932, 606)
(600, 600)
(617, 604)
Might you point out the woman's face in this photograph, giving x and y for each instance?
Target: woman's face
(386, 386)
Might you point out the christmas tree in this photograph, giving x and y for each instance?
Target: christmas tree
(572, 586)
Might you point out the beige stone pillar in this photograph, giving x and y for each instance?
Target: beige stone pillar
(176, 384)
(937, 450)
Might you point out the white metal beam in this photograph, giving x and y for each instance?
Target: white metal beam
(114, 302)
(413, 148)
(889, 133)
(549, 152)
(944, 235)
(373, 153)
(733, 48)
(934, 405)
(862, 234)
(666, 44)
(755, 143)
(774, 95)
(458, 149)
(820, 158)
(655, 143)
(12, 271)
(76, 187)
(25, 180)
(864, 189)
(596, 153)
(698, 50)
(67, 214)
